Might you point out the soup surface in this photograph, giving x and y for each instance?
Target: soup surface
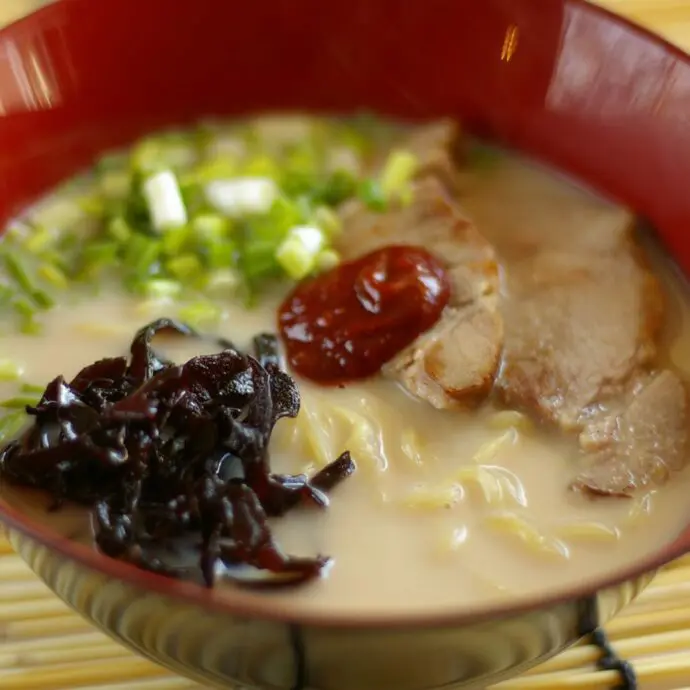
(446, 506)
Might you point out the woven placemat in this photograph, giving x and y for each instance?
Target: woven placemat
(46, 646)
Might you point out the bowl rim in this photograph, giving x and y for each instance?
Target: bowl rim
(250, 604)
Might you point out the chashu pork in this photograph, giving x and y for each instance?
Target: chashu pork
(455, 362)
(582, 317)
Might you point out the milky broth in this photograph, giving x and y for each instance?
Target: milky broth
(425, 522)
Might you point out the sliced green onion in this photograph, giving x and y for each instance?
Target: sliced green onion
(59, 212)
(223, 280)
(262, 166)
(93, 206)
(297, 254)
(210, 226)
(217, 168)
(184, 267)
(341, 185)
(30, 326)
(42, 299)
(53, 274)
(164, 200)
(241, 196)
(160, 288)
(169, 150)
(9, 370)
(18, 273)
(32, 388)
(258, 259)
(19, 402)
(11, 424)
(23, 306)
(147, 156)
(344, 159)
(174, 240)
(399, 169)
(39, 240)
(142, 254)
(275, 225)
(119, 229)
(328, 221)
(100, 252)
(115, 184)
(96, 257)
(200, 313)
(7, 294)
(327, 260)
(220, 254)
(371, 194)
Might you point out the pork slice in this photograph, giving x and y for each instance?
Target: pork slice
(582, 318)
(455, 362)
(524, 210)
(578, 329)
(638, 442)
(582, 310)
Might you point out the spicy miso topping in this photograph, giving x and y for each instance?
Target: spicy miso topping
(168, 454)
(345, 324)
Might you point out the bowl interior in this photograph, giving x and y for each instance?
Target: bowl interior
(564, 81)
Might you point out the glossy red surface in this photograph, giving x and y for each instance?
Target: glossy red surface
(562, 80)
(345, 324)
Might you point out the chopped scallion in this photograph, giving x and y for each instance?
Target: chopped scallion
(142, 255)
(164, 200)
(39, 240)
(184, 267)
(42, 299)
(262, 166)
(119, 229)
(9, 370)
(399, 169)
(32, 388)
(30, 326)
(175, 240)
(328, 221)
(327, 260)
(115, 184)
(297, 254)
(18, 272)
(160, 288)
(96, 257)
(19, 402)
(341, 185)
(200, 313)
(220, 254)
(11, 424)
(23, 306)
(371, 194)
(210, 226)
(222, 280)
(53, 274)
(242, 196)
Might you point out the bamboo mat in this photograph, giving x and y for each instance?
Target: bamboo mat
(45, 646)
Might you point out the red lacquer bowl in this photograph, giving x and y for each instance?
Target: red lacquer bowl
(564, 81)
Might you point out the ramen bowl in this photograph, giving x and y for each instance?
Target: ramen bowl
(565, 82)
